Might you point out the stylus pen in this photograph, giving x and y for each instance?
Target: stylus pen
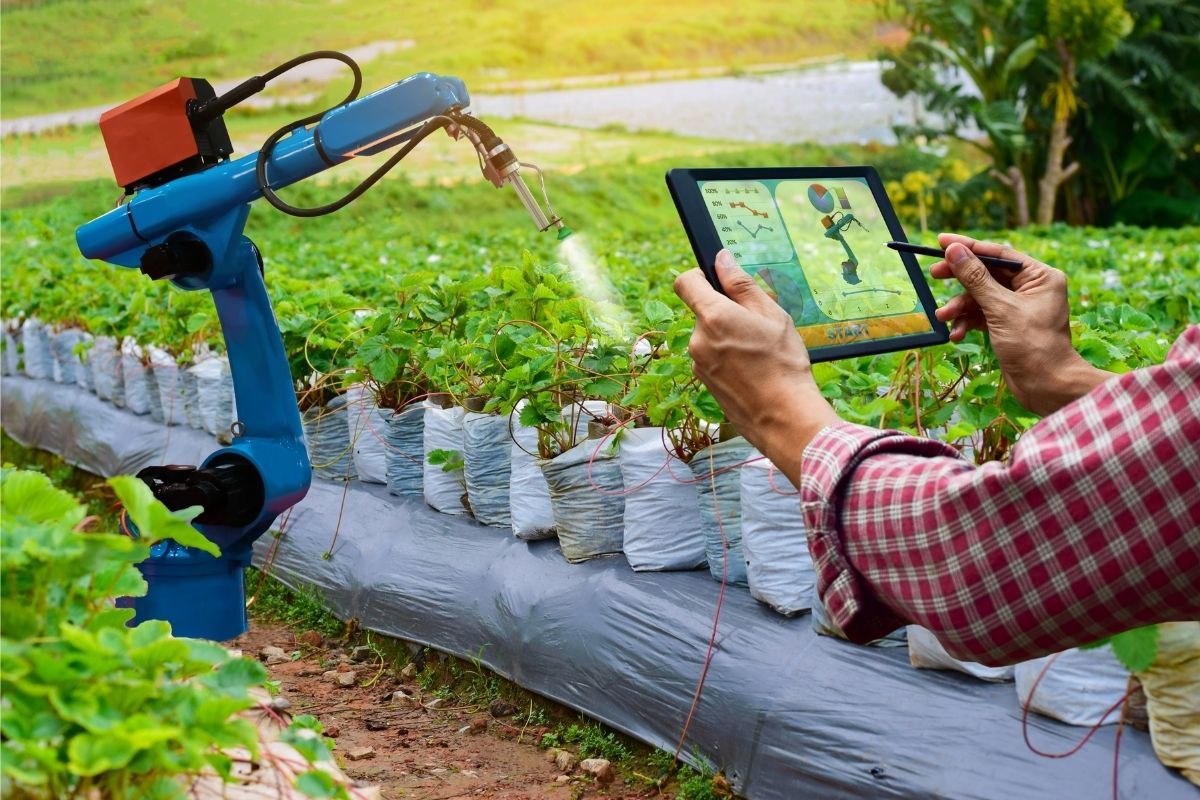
(988, 261)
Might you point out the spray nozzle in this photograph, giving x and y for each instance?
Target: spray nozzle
(544, 220)
(500, 166)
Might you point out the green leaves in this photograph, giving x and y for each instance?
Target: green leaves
(236, 675)
(304, 734)
(657, 312)
(91, 754)
(381, 360)
(315, 783)
(32, 498)
(154, 521)
(1135, 648)
(449, 460)
(86, 697)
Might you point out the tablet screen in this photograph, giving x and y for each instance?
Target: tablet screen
(818, 246)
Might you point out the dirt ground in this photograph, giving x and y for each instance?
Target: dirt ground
(418, 752)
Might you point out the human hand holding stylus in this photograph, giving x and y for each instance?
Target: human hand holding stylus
(1027, 319)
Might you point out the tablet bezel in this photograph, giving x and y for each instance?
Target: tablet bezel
(702, 233)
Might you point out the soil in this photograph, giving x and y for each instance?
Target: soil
(419, 753)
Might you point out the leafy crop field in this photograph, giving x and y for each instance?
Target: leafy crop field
(420, 289)
(107, 52)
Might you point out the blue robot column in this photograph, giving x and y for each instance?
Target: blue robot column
(188, 229)
(244, 487)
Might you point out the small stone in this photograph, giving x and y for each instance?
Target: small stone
(347, 678)
(478, 724)
(280, 703)
(375, 724)
(272, 652)
(274, 659)
(502, 708)
(331, 675)
(552, 754)
(310, 639)
(333, 731)
(359, 753)
(436, 703)
(563, 780)
(599, 768)
(361, 653)
(565, 761)
(409, 672)
(438, 771)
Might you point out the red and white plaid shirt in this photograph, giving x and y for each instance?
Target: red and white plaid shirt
(1091, 528)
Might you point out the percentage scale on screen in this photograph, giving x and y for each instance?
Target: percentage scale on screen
(748, 222)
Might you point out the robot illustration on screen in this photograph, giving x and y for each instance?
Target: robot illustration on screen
(836, 223)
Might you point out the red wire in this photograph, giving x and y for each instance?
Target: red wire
(1091, 732)
(776, 489)
(624, 491)
(123, 524)
(712, 639)
(1117, 743)
(666, 465)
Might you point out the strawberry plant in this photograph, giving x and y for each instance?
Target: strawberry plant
(315, 321)
(542, 348)
(664, 389)
(93, 708)
(402, 355)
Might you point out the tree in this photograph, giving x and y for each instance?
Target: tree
(966, 59)
(1137, 134)
(1008, 69)
(1079, 31)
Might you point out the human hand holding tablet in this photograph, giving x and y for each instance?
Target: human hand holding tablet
(815, 239)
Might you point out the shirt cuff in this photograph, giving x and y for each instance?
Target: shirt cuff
(829, 462)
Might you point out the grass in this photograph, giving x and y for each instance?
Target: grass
(93, 490)
(61, 159)
(80, 53)
(302, 609)
(468, 684)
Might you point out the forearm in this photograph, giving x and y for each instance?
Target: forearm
(1093, 527)
(785, 428)
(1069, 382)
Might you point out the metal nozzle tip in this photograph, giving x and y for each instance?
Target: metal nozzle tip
(564, 232)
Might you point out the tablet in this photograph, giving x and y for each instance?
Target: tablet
(816, 240)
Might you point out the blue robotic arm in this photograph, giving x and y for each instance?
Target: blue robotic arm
(189, 230)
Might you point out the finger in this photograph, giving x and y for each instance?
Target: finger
(967, 323)
(696, 292)
(739, 284)
(973, 275)
(1005, 278)
(984, 248)
(956, 307)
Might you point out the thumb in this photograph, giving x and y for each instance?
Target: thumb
(972, 274)
(738, 284)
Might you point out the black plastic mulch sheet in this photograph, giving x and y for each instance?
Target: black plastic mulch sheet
(785, 713)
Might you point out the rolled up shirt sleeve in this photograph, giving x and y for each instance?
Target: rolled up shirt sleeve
(1090, 528)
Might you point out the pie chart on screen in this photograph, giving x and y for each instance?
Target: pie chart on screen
(820, 197)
